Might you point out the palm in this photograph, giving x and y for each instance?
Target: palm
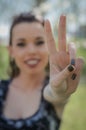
(60, 58)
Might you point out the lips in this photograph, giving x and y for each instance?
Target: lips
(32, 62)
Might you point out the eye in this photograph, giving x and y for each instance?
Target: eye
(21, 44)
(39, 42)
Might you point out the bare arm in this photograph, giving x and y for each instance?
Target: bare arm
(65, 68)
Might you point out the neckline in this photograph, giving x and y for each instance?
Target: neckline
(21, 119)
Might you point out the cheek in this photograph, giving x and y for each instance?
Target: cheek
(44, 49)
(17, 56)
(45, 56)
(18, 53)
(18, 60)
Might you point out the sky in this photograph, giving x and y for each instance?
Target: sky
(53, 15)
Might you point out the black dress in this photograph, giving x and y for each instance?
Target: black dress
(44, 119)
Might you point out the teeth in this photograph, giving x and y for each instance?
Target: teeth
(32, 62)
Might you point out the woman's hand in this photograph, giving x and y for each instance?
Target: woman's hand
(64, 66)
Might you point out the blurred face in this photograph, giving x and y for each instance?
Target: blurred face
(29, 48)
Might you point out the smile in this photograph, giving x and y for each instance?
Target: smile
(32, 62)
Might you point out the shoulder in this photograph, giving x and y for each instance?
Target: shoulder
(4, 82)
(4, 85)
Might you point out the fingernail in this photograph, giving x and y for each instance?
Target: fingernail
(72, 61)
(74, 76)
(70, 68)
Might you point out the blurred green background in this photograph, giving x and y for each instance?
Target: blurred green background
(74, 117)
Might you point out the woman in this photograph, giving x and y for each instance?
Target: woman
(33, 99)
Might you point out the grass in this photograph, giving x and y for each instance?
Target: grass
(74, 117)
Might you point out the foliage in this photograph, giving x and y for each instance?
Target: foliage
(81, 51)
(3, 62)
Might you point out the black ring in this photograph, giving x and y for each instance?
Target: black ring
(72, 61)
(74, 76)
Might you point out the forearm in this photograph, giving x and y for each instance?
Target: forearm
(57, 97)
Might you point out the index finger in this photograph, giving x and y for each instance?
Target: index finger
(49, 37)
(62, 33)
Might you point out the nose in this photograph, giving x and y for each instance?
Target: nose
(31, 48)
